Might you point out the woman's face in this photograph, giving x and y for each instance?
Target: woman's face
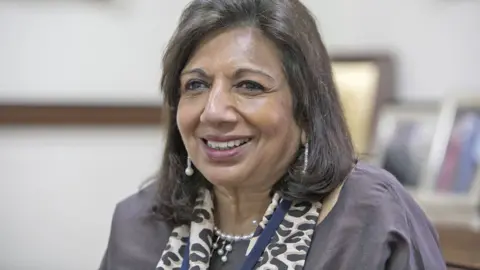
(235, 112)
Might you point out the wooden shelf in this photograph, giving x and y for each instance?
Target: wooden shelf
(78, 114)
(460, 246)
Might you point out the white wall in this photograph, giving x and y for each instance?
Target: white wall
(84, 50)
(58, 189)
(109, 51)
(58, 186)
(437, 42)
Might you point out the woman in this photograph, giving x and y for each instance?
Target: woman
(259, 170)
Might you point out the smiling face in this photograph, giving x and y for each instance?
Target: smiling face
(235, 112)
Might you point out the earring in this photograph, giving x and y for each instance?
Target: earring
(305, 159)
(189, 169)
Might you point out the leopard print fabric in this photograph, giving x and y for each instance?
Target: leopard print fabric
(290, 244)
(287, 249)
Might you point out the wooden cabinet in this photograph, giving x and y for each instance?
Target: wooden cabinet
(460, 246)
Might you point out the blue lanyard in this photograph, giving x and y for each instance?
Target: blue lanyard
(262, 242)
(186, 255)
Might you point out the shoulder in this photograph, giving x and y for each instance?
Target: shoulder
(136, 238)
(135, 212)
(375, 212)
(371, 185)
(138, 204)
(374, 195)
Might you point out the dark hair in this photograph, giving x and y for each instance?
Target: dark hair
(316, 105)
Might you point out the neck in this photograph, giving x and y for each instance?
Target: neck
(236, 210)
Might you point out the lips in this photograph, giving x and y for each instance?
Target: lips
(226, 145)
(225, 149)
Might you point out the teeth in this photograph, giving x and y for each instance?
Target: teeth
(226, 145)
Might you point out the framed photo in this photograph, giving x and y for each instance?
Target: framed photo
(453, 176)
(403, 141)
(456, 160)
(364, 82)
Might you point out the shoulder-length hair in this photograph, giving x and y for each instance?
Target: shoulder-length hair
(316, 105)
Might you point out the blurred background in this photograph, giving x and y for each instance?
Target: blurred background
(80, 125)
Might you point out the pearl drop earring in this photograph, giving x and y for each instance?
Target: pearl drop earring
(189, 169)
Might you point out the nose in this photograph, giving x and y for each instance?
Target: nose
(219, 108)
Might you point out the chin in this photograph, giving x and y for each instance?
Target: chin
(223, 178)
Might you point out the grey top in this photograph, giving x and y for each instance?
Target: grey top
(375, 224)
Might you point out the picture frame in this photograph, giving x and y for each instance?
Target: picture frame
(365, 81)
(452, 193)
(403, 141)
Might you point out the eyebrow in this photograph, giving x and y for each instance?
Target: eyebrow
(237, 73)
(198, 71)
(240, 71)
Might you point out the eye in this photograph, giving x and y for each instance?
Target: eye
(196, 85)
(250, 86)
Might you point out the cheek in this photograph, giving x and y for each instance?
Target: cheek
(184, 120)
(273, 117)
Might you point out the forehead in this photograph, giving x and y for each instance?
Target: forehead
(236, 47)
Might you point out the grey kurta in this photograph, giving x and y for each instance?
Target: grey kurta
(375, 224)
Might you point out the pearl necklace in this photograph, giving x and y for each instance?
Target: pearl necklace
(224, 243)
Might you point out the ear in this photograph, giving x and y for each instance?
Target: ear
(303, 137)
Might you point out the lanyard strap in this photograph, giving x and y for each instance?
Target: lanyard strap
(186, 256)
(262, 242)
(266, 235)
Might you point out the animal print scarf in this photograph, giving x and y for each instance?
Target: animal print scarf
(293, 237)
